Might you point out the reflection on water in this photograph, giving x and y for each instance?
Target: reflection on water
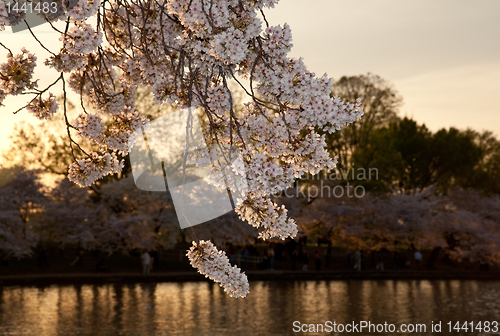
(202, 308)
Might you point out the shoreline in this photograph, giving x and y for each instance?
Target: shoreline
(102, 278)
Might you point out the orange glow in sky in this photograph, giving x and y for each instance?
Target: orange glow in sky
(442, 56)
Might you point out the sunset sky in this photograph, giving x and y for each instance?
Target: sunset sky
(443, 56)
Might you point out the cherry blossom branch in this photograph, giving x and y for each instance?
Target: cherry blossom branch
(185, 51)
(68, 125)
(38, 93)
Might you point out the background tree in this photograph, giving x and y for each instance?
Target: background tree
(381, 103)
(390, 222)
(22, 205)
(486, 175)
(71, 217)
(39, 148)
(409, 157)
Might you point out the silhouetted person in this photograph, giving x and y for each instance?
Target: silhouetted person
(349, 260)
(317, 261)
(380, 261)
(328, 255)
(294, 257)
(357, 260)
(154, 259)
(305, 267)
(395, 260)
(418, 259)
(146, 262)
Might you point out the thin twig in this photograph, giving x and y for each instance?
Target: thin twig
(39, 42)
(10, 52)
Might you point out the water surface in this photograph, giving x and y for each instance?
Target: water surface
(202, 308)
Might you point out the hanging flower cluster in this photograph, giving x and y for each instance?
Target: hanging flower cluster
(117, 136)
(90, 126)
(215, 265)
(43, 108)
(83, 9)
(64, 63)
(85, 172)
(16, 73)
(81, 39)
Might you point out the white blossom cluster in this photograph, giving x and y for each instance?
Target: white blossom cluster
(85, 172)
(118, 136)
(219, 99)
(223, 16)
(16, 73)
(227, 46)
(63, 62)
(267, 3)
(4, 16)
(90, 126)
(263, 213)
(109, 97)
(83, 10)
(81, 39)
(215, 265)
(43, 108)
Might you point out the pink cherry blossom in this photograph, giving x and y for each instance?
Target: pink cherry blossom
(215, 265)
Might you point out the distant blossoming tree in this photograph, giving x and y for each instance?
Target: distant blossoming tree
(386, 222)
(22, 203)
(467, 227)
(463, 223)
(187, 51)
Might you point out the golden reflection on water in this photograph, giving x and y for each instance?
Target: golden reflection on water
(202, 308)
